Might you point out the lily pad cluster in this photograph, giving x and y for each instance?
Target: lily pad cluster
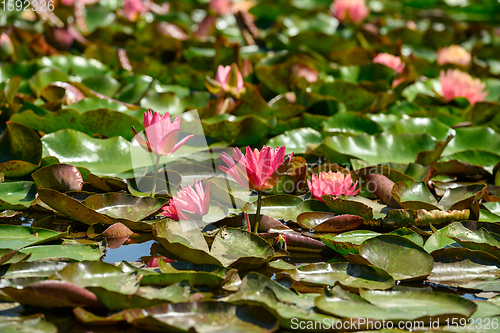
(416, 237)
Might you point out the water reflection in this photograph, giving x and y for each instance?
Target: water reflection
(129, 252)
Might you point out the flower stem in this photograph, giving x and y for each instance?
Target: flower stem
(257, 214)
(155, 176)
(223, 109)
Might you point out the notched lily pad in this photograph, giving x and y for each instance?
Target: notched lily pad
(411, 195)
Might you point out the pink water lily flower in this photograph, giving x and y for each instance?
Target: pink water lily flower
(390, 61)
(455, 83)
(258, 169)
(221, 7)
(353, 10)
(454, 54)
(161, 134)
(133, 8)
(189, 203)
(332, 183)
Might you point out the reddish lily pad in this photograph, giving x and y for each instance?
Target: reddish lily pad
(328, 222)
(59, 177)
(346, 206)
(52, 294)
(382, 187)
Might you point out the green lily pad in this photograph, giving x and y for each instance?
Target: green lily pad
(240, 130)
(347, 274)
(185, 240)
(203, 317)
(240, 248)
(349, 242)
(395, 305)
(42, 269)
(16, 195)
(465, 268)
(352, 123)
(411, 195)
(431, 126)
(16, 237)
(391, 253)
(461, 197)
(34, 323)
(9, 256)
(475, 240)
(44, 77)
(284, 206)
(97, 120)
(78, 252)
(72, 208)
(75, 65)
(113, 300)
(88, 317)
(102, 156)
(467, 138)
(208, 279)
(98, 274)
(120, 207)
(102, 84)
(21, 151)
(283, 302)
(383, 148)
(296, 140)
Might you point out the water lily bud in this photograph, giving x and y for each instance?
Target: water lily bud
(6, 46)
(349, 10)
(228, 80)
